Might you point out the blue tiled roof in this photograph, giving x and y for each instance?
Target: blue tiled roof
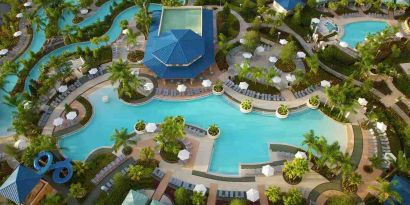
(402, 186)
(179, 47)
(180, 72)
(19, 184)
(289, 4)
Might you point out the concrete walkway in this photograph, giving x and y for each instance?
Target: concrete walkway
(213, 188)
(162, 187)
(263, 200)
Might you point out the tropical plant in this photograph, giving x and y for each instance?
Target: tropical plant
(171, 131)
(297, 14)
(36, 145)
(121, 73)
(172, 3)
(313, 63)
(147, 154)
(274, 194)
(288, 52)
(213, 130)
(251, 40)
(120, 138)
(294, 170)
(401, 164)
(131, 38)
(385, 192)
(136, 172)
(77, 190)
(52, 199)
(198, 198)
(292, 197)
(80, 168)
(144, 21)
(341, 200)
(238, 202)
(223, 44)
(25, 120)
(283, 109)
(218, 86)
(181, 196)
(376, 161)
(314, 100)
(140, 125)
(311, 3)
(246, 105)
(124, 24)
(85, 3)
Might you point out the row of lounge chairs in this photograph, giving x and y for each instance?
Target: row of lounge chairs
(174, 92)
(376, 15)
(107, 186)
(109, 168)
(227, 195)
(285, 155)
(176, 183)
(384, 141)
(307, 91)
(195, 130)
(253, 94)
(44, 117)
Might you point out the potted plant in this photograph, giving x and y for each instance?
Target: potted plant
(213, 131)
(180, 119)
(139, 127)
(313, 102)
(282, 112)
(218, 89)
(246, 106)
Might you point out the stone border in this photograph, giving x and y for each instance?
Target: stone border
(223, 177)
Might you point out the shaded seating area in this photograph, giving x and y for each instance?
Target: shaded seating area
(307, 91)
(253, 94)
(108, 169)
(195, 130)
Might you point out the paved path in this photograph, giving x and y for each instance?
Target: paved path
(263, 200)
(21, 46)
(213, 188)
(162, 187)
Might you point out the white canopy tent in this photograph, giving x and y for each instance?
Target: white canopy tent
(362, 101)
(21, 144)
(28, 4)
(260, 49)
(399, 35)
(71, 115)
(93, 71)
(58, 121)
(125, 31)
(84, 11)
(343, 44)
(252, 195)
(268, 170)
(4, 51)
(273, 59)
(242, 41)
(290, 77)
(315, 20)
(381, 126)
(19, 15)
(17, 33)
(301, 54)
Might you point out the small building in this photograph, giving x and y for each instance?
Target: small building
(285, 6)
(25, 186)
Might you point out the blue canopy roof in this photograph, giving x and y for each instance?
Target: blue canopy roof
(402, 186)
(181, 46)
(289, 4)
(180, 72)
(19, 184)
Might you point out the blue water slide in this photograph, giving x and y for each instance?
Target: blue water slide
(40, 168)
(58, 168)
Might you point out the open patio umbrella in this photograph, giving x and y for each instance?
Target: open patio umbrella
(19, 15)
(183, 154)
(301, 54)
(242, 41)
(125, 31)
(283, 41)
(399, 35)
(151, 127)
(206, 83)
(243, 85)
(300, 155)
(290, 77)
(381, 126)
(276, 79)
(247, 55)
(315, 20)
(93, 71)
(389, 156)
(62, 88)
(252, 195)
(84, 11)
(325, 83)
(362, 101)
(17, 33)
(260, 49)
(200, 188)
(71, 115)
(58, 121)
(268, 170)
(4, 51)
(343, 44)
(273, 59)
(28, 4)
(148, 86)
(181, 88)
(21, 144)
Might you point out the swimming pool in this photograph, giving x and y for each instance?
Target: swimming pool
(354, 33)
(181, 18)
(244, 137)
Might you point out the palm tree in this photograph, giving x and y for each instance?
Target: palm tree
(171, 132)
(274, 194)
(172, 3)
(34, 19)
(120, 138)
(52, 199)
(292, 197)
(144, 21)
(77, 191)
(198, 198)
(80, 168)
(310, 141)
(9, 68)
(385, 192)
(295, 169)
(121, 73)
(136, 172)
(401, 164)
(12, 100)
(223, 44)
(146, 154)
(69, 32)
(96, 41)
(131, 38)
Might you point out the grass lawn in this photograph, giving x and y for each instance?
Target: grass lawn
(257, 87)
(233, 25)
(248, 14)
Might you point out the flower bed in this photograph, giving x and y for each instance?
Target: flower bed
(135, 56)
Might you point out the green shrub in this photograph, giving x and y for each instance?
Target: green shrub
(127, 150)
(135, 56)
(237, 202)
(182, 196)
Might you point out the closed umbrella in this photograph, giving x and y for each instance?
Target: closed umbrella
(247, 55)
(343, 44)
(148, 86)
(4, 51)
(71, 115)
(260, 49)
(19, 15)
(84, 11)
(273, 59)
(290, 77)
(181, 88)
(243, 85)
(200, 188)
(93, 71)
(28, 4)
(17, 33)
(21, 144)
(62, 88)
(268, 170)
(242, 41)
(183, 154)
(276, 79)
(206, 83)
(301, 54)
(58, 121)
(150, 127)
(300, 155)
(283, 41)
(325, 83)
(362, 101)
(399, 35)
(252, 195)
(381, 126)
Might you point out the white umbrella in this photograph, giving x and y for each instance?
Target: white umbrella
(290, 77)
(62, 88)
(27, 105)
(247, 55)
(17, 33)
(27, 4)
(243, 85)
(300, 155)
(242, 41)
(125, 31)
(301, 54)
(283, 41)
(273, 59)
(183, 154)
(21, 144)
(58, 121)
(181, 88)
(343, 44)
(93, 71)
(325, 83)
(260, 49)
(71, 115)
(252, 195)
(200, 188)
(148, 86)
(150, 127)
(268, 170)
(399, 35)
(276, 79)
(362, 101)
(4, 51)
(387, 156)
(206, 83)
(84, 11)
(315, 20)
(19, 15)
(381, 126)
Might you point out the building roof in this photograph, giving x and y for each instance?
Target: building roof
(135, 198)
(181, 46)
(289, 4)
(19, 184)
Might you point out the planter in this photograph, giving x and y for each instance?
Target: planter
(216, 92)
(312, 106)
(138, 132)
(245, 111)
(291, 182)
(213, 136)
(280, 116)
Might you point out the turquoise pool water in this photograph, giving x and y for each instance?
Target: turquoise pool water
(354, 33)
(244, 137)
